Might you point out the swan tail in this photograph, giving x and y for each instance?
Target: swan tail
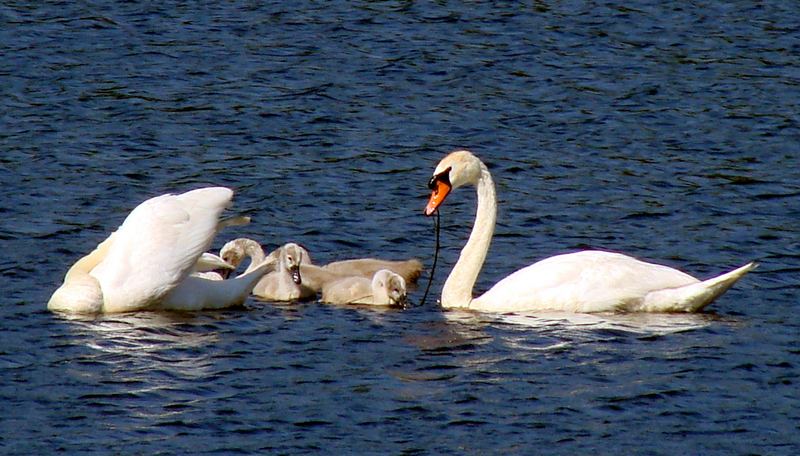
(411, 270)
(693, 297)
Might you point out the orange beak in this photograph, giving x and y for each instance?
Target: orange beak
(439, 193)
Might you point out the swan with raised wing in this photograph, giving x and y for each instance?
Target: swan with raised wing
(588, 281)
(147, 262)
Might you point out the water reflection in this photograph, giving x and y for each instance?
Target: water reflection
(160, 372)
(161, 358)
(634, 323)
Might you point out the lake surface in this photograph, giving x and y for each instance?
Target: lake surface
(669, 132)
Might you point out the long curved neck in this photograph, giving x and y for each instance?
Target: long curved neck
(253, 250)
(88, 262)
(457, 291)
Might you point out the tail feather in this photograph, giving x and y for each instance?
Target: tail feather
(693, 297)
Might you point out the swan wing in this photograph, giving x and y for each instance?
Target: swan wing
(588, 281)
(158, 245)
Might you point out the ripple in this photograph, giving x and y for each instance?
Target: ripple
(650, 129)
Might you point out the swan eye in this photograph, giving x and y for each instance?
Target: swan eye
(444, 176)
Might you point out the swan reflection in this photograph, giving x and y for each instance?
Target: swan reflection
(634, 323)
(145, 346)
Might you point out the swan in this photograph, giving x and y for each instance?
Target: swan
(146, 263)
(588, 281)
(285, 283)
(385, 288)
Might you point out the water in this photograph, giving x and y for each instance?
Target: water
(669, 132)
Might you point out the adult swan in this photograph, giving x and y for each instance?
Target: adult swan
(588, 281)
(146, 264)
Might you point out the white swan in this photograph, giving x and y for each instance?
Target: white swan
(146, 263)
(385, 288)
(285, 283)
(588, 281)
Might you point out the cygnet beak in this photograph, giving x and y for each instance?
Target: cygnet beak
(295, 271)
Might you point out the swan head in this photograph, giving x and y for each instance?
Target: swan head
(392, 285)
(291, 256)
(232, 252)
(457, 169)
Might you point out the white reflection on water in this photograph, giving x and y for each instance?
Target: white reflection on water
(635, 323)
(146, 351)
(557, 332)
(639, 323)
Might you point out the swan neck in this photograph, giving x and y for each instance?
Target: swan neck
(457, 291)
(253, 250)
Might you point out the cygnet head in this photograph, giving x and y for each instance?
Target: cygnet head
(393, 286)
(457, 169)
(233, 252)
(291, 256)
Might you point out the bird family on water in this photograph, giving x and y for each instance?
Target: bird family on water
(158, 260)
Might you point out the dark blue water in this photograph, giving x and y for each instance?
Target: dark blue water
(669, 132)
